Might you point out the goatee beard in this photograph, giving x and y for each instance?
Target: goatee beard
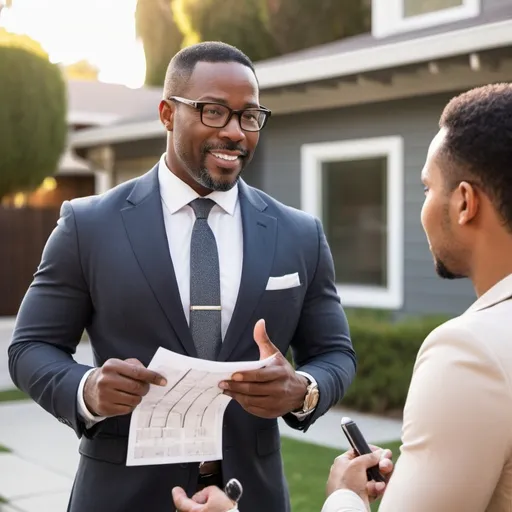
(220, 186)
(444, 273)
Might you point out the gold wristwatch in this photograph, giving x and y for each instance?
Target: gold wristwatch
(311, 398)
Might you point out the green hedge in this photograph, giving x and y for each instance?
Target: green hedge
(386, 352)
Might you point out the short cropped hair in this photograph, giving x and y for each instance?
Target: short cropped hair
(479, 143)
(183, 63)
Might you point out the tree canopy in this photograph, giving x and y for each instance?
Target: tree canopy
(161, 38)
(81, 70)
(33, 124)
(241, 24)
(260, 28)
(299, 24)
(8, 39)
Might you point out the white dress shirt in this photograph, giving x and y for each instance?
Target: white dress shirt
(225, 220)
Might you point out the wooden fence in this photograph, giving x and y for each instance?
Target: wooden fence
(23, 234)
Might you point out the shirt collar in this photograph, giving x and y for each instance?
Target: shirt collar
(176, 193)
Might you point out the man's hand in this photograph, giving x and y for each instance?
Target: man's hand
(118, 387)
(210, 499)
(268, 392)
(349, 472)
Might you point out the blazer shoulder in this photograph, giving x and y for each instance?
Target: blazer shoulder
(452, 331)
(99, 204)
(458, 340)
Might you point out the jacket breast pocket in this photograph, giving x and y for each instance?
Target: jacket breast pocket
(284, 295)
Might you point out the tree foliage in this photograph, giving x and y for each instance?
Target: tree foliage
(300, 24)
(260, 28)
(240, 23)
(21, 41)
(81, 70)
(33, 123)
(161, 38)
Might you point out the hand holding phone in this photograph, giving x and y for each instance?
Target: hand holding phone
(360, 446)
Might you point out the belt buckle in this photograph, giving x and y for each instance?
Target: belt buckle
(210, 473)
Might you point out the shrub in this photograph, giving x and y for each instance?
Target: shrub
(386, 352)
(33, 123)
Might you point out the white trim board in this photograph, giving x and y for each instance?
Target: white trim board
(94, 118)
(312, 157)
(388, 16)
(117, 133)
(385, 56)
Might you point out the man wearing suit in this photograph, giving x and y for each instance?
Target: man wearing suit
(190, 258)
(457, 432)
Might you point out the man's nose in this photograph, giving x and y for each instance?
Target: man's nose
(233, 130)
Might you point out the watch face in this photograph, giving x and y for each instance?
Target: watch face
(311, 399)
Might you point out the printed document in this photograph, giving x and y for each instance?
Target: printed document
(182, 421)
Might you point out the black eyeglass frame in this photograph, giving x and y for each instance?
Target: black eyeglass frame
(199, 105)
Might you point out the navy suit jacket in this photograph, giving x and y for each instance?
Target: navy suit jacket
(106, 268)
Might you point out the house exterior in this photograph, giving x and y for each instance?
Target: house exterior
(350, 128)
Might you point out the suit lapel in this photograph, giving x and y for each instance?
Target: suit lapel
(259, 240)
(144, 223)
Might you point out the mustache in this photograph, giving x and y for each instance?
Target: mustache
(226, 147)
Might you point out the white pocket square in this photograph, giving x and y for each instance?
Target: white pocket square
(283, 282)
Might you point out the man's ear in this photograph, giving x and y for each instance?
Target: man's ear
(468, 202)
(166, 110)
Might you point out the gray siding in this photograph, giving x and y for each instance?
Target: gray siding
(501, 6)
(416, 121)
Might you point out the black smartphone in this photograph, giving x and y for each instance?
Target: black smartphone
(360, 446)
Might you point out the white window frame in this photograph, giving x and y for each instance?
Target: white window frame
(388, 16)
(312, 158)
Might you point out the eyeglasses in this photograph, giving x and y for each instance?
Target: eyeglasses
(216, 115)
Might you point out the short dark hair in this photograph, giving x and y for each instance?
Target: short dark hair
(479, 143)
(183, 63)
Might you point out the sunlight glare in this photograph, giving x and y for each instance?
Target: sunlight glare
(100, 31)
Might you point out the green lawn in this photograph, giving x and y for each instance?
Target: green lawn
(307, 468)
(11, 395)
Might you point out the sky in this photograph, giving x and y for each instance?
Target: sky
(100, 31)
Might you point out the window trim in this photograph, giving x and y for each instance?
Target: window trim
(312, 157)
(388, 18)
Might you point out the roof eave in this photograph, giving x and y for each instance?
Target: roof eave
(422, 49)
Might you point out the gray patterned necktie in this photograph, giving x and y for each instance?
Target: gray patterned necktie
(205, 309)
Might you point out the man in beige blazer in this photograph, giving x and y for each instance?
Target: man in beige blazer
(457, 434)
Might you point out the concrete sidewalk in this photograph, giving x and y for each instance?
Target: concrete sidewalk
(6, 328)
